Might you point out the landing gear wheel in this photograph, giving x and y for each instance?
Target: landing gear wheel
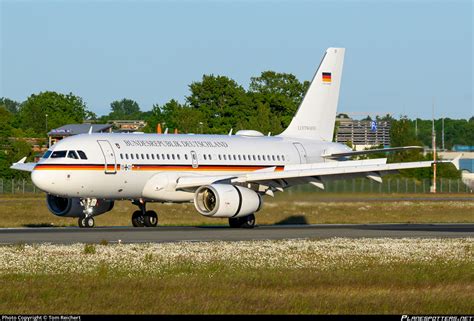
(138, 219)
(248, 221)
(242, 222)
(150, 219)
(86, 222)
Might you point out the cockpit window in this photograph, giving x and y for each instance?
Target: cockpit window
(72, 154)
(82, 155)
(47, 154)
(58, 154)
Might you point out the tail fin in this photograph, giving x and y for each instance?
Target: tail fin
(316, 115)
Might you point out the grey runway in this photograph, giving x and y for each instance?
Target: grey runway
(67, 235)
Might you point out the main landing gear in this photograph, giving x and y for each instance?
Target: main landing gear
(243, 222)
(142, 217)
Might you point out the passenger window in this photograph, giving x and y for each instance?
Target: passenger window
(172, 155)
(186, 156)
(72, 154)
(178, 156)
(258, 156)
(219, 156)
(82, 155)
(121, 156)
(244, 157)
(263, 157)
(278, 157)
(138, 156)
(152, 156)
(254, 157)
(273, 157)
(282, 157)
(235, 158)
(143, 157)
(163, 156)
(59, 154)
(168, 156)
(147, 156)
(239, 157)
(126, 156)
(158, 156)
(46, 155)
(205, 157)
(131, 156)
(224, 157)
(210, 158)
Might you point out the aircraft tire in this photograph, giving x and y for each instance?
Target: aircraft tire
(138, 219)
(248, 221)
(242, 222)
(86, 222)
(150, 219)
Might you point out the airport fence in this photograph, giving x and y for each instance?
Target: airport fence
(388, 186)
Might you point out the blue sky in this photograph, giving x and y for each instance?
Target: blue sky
(400, 54)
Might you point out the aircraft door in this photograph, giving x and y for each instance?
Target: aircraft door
(301, 152)
(194, 159)
(109, 156)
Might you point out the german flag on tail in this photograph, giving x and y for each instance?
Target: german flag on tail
(327, 77)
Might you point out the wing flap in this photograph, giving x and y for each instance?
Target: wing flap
(372, 151)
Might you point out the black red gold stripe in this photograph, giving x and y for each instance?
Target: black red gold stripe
(157, 167)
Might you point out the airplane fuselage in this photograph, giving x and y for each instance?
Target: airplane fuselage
(118, 166)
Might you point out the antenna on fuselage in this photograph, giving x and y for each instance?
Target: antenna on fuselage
(269, 133)
(166, 131)
(230, 131)
(90, 130)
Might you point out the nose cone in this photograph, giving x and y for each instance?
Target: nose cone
(41, 180)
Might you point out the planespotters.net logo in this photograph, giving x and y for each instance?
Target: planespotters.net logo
(436, 318)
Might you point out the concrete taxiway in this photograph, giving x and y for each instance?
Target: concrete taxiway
(67, 235)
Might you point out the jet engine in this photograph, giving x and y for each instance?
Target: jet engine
(225, 200)
(71, 207)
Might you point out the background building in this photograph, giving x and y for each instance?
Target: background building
(128, 126)
(362, 133)
(57, 134)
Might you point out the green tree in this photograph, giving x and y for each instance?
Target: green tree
(61, 109)
(221, 101)
(282, 92)
(124, 109)
(11, 105)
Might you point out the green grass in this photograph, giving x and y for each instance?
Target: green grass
(398, 289)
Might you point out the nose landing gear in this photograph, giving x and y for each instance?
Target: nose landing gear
(142, 217)
(87, 219)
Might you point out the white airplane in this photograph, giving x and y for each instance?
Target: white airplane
(224, 175)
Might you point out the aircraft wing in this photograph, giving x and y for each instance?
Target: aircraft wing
(305, 173)
(371, 151)
(22, 166)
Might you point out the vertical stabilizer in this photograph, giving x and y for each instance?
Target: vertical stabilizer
(316, 115)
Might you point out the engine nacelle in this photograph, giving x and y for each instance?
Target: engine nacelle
(71, 207)
(225, 200)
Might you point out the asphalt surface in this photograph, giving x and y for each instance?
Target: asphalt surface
(67, 235)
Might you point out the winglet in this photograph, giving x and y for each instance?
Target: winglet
(90, 130)
(455, 161)
(21, 161)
